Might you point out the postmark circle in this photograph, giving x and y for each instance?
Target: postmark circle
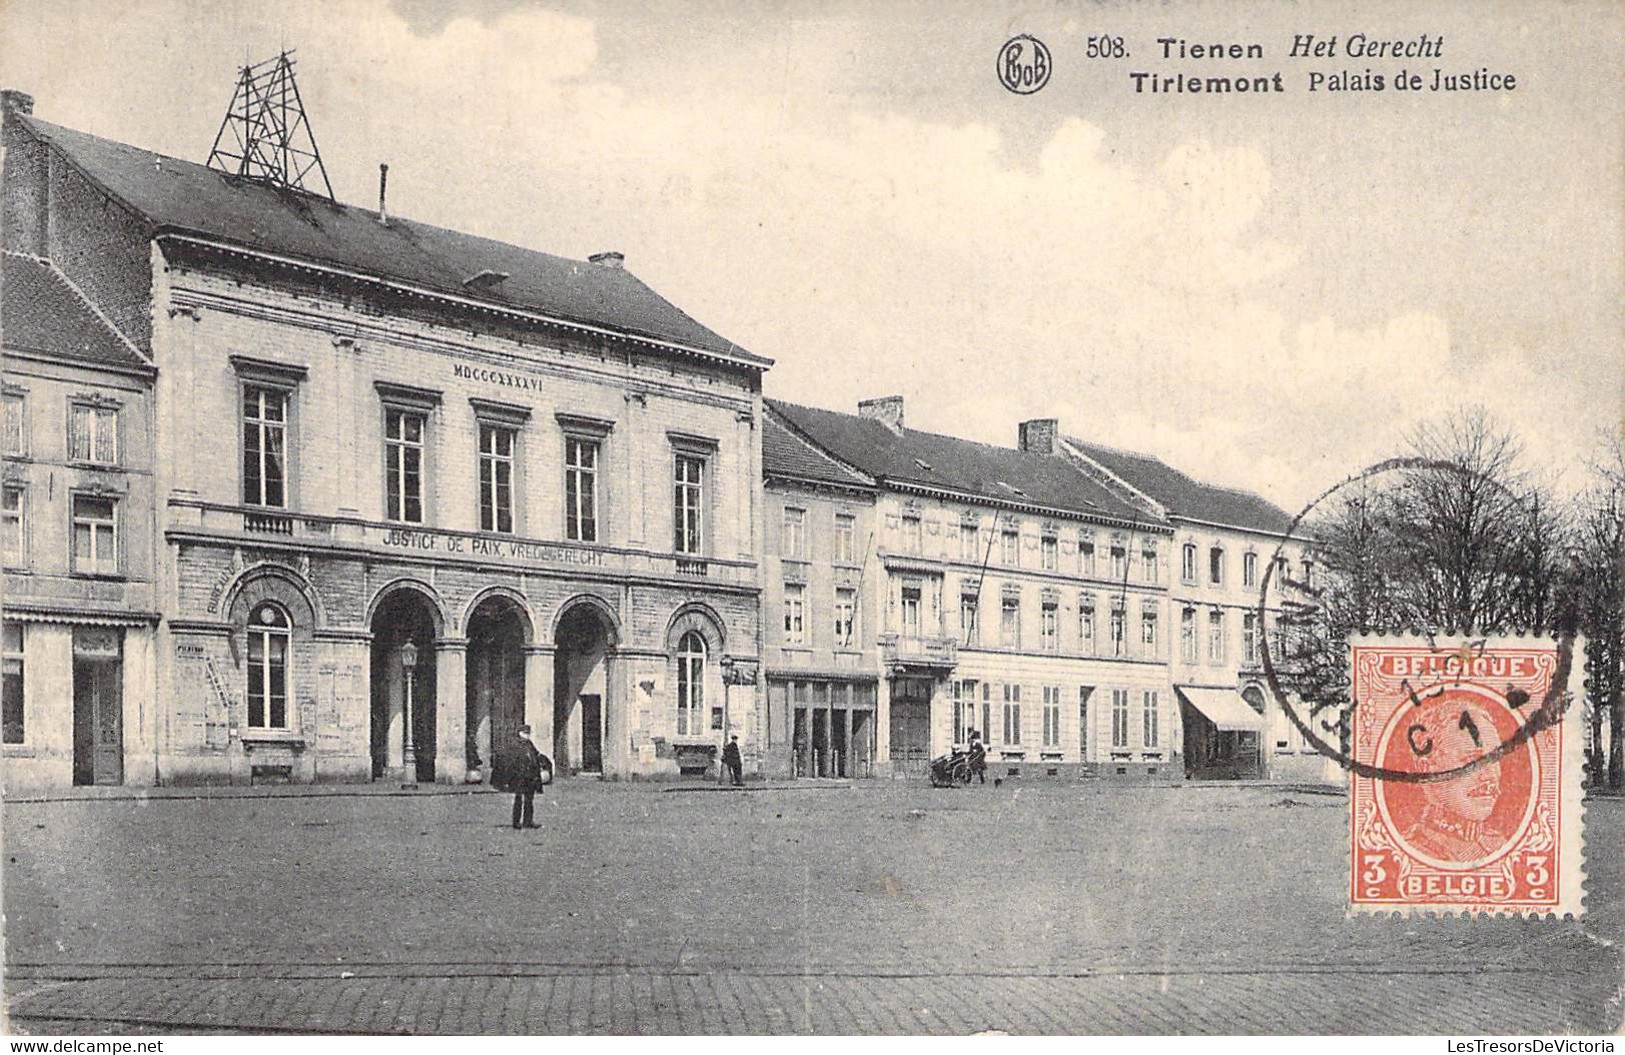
(1476, 818)
(1024, 64)
(1546, 713)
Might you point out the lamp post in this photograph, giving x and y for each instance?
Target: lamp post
(409, 755)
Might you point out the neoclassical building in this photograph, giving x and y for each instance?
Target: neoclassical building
(411, 487)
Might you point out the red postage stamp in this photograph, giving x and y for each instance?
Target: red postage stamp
(1465, 795)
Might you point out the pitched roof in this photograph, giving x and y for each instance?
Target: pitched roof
(41, 312)
(948, 463)
(1185, 497)
(185, 197)
(785, 453)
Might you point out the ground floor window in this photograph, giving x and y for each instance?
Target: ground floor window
(1052, 716)
(690, 684)
(1149, 728)
(11, 693)
(269, 635)
(1119, 717)
(1012, 714)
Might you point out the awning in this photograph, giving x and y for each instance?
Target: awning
(1223, 707)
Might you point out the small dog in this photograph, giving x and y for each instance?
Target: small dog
(998, 781)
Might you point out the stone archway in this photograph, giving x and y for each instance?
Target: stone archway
(405, 615)
(589, 711)
(499, 630)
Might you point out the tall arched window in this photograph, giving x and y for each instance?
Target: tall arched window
(690, 684)
(269, 649)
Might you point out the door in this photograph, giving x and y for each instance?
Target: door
(98, 722)
(592, 733)
(910, 724)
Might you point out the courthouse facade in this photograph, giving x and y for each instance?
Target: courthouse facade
(409, 487)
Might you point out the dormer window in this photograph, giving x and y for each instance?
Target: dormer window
(486, 280)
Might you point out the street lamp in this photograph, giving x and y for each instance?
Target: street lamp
(409, 755)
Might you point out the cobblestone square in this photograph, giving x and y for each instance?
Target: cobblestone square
(874, 908)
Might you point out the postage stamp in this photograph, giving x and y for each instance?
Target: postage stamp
(1465, 794)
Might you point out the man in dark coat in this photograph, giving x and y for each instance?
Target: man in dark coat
(977, 756)
(731, 759)
(523, 773)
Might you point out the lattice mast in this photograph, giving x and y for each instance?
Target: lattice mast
(265, 135)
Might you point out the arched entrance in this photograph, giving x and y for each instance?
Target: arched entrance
(403, 616)
(498, 630)
(582, 686)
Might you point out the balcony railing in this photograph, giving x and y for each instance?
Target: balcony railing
(933, 651)
(268, 523)
(692, 566)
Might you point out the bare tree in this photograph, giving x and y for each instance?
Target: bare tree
(1599, 604)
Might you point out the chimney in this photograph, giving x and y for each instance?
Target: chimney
(383, 186)
(1039, 436)
(888, 410)
(611, 259)
(15, 102)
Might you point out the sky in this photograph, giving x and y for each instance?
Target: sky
(1266, 291)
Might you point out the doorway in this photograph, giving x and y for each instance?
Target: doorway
(911, 724)
(98, 708)
(592, 733)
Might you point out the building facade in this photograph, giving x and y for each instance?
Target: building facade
(821, 594)
(414, 488)
(1224, 541)
(1018, 597)
(79, 550)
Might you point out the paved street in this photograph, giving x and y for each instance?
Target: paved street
(873, 909)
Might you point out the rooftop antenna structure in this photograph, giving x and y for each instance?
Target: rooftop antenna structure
(265, 136)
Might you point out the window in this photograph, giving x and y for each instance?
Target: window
(14, 440)
(1187, 635)
(689, 475)
(1052, 716)
(846, 606)
(1119, 561)
(1010, 623)
(1308, 574)
(846, 542)
(12, 713)
(1249, 569)
(795, 628)
(1048, 549)
(265, 446)
(14, 526)
(1049, 627)
(1149, 717)
(1086, 623)
(1215, 636)
(970, 628)
(1086, 553)
(964, 710)
(691, 684)
(1148, 633)
(1119, 717)
(1010, 547)
(1148, 562)
(970, 547)
(1215, 566)
(403, 465)
(793, 534)
(580, 489)
(496, 478)
(1118, 630)
(1187, 563)
(911, 611)
(911, 533)
(1012, 714)
(1249, 637)
(93, 434)
(95, 535)
(269, 640)
(1084, 692)
(987, 711)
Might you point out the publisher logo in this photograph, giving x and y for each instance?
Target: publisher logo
(1024, 64)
